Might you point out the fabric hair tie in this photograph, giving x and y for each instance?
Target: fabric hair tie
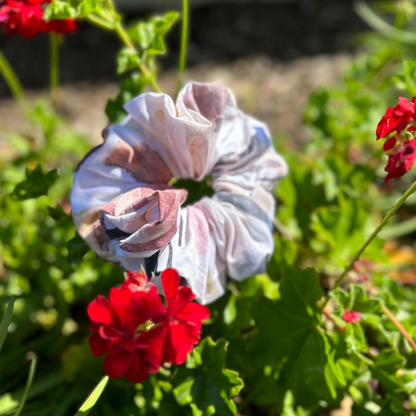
(125, 210)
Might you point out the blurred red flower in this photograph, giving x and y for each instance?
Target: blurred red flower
(401, 159)
(351, 317)
(138, 332)
(396, 119)
(401, 149)
(25, 17)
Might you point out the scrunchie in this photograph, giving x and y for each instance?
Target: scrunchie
(127, 213)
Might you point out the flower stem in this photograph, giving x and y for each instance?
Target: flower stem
(54, 69)
(123, 35)
(184, 42)
(385, 220)
(399, 326)
(11, 79)
(100, 22)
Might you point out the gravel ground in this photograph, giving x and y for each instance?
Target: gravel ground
(271, 91)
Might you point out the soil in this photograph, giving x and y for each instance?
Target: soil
(274, 92)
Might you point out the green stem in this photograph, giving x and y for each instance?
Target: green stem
(101, 23)
(123, 35)
(385, 220)
(184, 42)
(111, 7)
(362, 357)
(11, 79)
(54, 69)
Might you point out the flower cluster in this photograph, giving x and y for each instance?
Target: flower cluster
(25, 17)
(139, 332)
(401, 149)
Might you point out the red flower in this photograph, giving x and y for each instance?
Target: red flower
(180, 326)
(401, 158)
(397, 118)
(351, 317)
(25, 17)
(138, 332)
(119, 327)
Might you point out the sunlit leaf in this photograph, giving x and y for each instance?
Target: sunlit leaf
(37, 183)
(92, 398)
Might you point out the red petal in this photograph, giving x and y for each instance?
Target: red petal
(151, 343)
(136, 373)
(98, 345)
(99, 310)
(117, 361)
(177, 344)
(170, 282)
(351, 317)
(389, 144)
(183, 298)
(148, 305)
(108, 333)
(400, 163)
(193, 312)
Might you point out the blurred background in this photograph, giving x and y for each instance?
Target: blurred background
(273, 54)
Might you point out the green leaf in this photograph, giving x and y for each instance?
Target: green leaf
(149, 35)
(92, 399)
(356, 300)
(130, 87)
(128, 59)
(355, 337)
(37, 183)
(289, 333)
(86, 7)
(288, 406)
(206, 382)
(77, 248)
(6, 321)
(385, 368)
(7, 404)
(28, 385)
(59, 10)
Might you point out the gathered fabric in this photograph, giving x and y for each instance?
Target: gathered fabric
(126, 211)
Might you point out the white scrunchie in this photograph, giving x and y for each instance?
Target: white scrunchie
(124, 209)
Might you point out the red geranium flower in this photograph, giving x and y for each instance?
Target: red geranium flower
(351, 317)
(119, 326)
(401, 150)
(25, 17)
(397, 118)
(401, 158)
(138, 332)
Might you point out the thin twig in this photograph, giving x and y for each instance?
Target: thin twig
(184, 42)
(399, 326)
(373, 235)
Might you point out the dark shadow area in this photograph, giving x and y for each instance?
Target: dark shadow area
(222, 32)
